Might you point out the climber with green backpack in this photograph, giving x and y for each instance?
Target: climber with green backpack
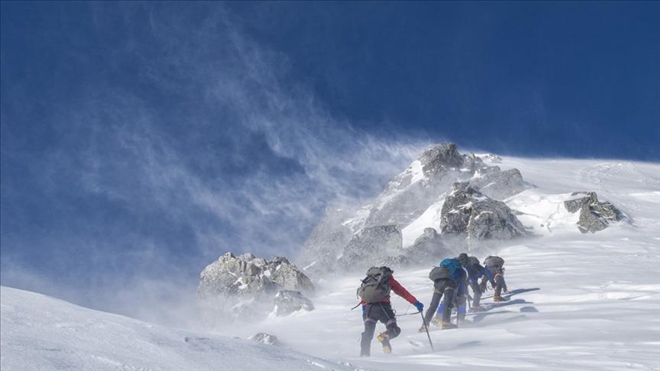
(449, 280)
(374, 294)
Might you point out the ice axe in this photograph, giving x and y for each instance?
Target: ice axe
(426, 327)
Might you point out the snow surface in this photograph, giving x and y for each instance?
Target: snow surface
(42, 333)
(585, 302)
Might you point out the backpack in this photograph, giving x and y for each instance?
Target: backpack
(453, 267)
(472, 261)
(375, 286)
(494, 261)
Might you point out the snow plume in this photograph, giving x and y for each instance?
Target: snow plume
(187, 141)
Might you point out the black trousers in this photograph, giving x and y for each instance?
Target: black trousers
(476, 291)
(372, 314)
(446, 288)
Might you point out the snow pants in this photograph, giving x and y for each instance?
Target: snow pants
(476, 291)
(372, 314)
(446, 288)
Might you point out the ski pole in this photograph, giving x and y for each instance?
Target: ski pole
(426, 327)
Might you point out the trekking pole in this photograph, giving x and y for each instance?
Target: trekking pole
(407, 314)
(426, 327)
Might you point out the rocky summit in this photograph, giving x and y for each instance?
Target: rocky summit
(465, 195)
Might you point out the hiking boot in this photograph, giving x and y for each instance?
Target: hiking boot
(477, 309)
(436, 321)
(498, 299)
(385, 340)
(423, 329)
(448, 325)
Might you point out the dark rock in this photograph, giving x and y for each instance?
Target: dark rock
(319, 254)
(594, 215)
(404, 199)
(265, 338)
(499, 184)
(428, 246)
(242, 287)
(289, 301)
(371, 245)
(578, 199)
(407, 195)
(468, 212)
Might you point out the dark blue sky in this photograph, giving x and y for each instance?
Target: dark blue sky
(140, 141)
(525, 78)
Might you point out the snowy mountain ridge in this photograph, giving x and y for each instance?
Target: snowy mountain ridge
(414, 200)
(579, 302)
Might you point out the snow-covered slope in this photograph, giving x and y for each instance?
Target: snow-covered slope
(41, 333)
(581, 302)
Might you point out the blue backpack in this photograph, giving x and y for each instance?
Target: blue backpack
(453, 267)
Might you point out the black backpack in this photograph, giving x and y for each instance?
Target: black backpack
(375, 286)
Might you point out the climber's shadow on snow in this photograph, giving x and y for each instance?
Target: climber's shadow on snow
(503, 304)
(520, 291)
(499, 310)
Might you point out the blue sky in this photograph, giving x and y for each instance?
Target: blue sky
(140, 141)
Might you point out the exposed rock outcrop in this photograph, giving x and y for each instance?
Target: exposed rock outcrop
(373, 245)
(594, 215)
(245, 286)
(289, 301)
(407, 195)
(323, 246)
(499, 184)
(403, 200)
(265, 338)
(428, 247)
(468, 212)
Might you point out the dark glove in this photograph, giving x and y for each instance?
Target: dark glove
(419, 306)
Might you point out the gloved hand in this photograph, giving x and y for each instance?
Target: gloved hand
(419, 306)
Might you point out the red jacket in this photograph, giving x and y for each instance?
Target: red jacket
(399, 290)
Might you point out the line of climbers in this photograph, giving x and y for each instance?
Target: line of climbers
(450, 280)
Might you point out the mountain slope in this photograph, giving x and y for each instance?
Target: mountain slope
(581, 302)
(585, 301)
(42, 333)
